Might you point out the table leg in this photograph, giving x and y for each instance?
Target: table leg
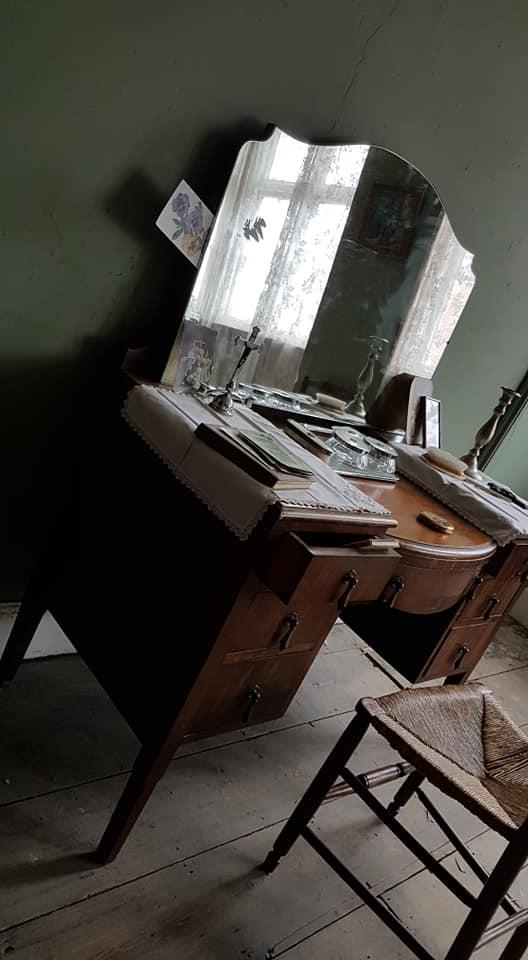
(149, 767)
(31, 611)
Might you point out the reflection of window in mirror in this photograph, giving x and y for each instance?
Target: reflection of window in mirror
(443, 287)
(294, 250)
(303, 194)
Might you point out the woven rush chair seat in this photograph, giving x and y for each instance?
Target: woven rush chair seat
(459, 738)
(463, 742)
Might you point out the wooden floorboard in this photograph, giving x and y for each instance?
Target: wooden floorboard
(185, 884)
(58, 728)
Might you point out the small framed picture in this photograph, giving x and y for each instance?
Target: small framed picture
(186, 221)
(195, 364)
(431, 419)
(389, 220)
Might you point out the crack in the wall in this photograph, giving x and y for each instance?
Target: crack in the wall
(359, 63)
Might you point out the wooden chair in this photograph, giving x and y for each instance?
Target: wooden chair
(460, 739)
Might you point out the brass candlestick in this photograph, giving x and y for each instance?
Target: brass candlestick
(487, 431)
(357, 405)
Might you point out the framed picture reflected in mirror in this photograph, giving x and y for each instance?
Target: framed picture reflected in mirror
(390, 218)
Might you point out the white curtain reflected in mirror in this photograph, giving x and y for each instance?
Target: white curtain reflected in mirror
(321, 247)
(442, 291)
(292, 202)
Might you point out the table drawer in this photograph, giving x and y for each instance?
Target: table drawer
(246, 693)
(299, 571)
(428, 587)
(260, 625)
(490, 597)
(512, 561)
(459, 651)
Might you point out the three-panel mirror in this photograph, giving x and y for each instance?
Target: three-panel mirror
(322, 247)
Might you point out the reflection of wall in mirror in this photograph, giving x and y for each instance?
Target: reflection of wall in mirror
(369, 293)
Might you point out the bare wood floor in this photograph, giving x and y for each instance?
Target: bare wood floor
(187, 885)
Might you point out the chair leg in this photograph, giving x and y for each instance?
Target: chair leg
(516, 946)
(493, 892)
(316, 792)
(147, 770)
(404, 794)
(31, 611)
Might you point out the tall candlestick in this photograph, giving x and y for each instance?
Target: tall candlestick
(487, 430)
(357, 405)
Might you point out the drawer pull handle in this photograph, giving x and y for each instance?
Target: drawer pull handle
(463, 650)
(393, 589)
(254, 695)
(351, 581)
(477, 582)
(286, 628)
(492, 603)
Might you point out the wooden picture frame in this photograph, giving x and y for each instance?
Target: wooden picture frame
(389, 220)
(432, 422)
(196, 354)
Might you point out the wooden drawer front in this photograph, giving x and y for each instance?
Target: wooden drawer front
(490, 598)
(513, 562)
(460, 650)
(429, 589)
(299, 572)
(262, 626)
(246, 693)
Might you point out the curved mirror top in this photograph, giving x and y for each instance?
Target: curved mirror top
(322, 247)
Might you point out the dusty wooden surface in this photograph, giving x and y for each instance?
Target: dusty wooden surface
(186, 884)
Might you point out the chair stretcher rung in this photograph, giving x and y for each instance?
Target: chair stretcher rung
(502, 928)
(412, 844)
(371, 779)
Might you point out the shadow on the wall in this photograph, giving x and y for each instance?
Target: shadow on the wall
(48, 404)
(153, 311)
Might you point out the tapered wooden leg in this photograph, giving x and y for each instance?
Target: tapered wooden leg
(147, 770)
(31, 611)
(404, 794)
(493, 892)
(316, 792)
(517, 945)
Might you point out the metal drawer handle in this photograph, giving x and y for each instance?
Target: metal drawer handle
(254, 695)
(392, 590)
(463, 650)
(477, 582)
(286, 628)
(351, 581)
(492, 602)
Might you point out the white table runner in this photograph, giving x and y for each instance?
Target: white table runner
(167, 420)
(499, 518)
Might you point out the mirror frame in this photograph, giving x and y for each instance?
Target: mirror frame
(167, 375)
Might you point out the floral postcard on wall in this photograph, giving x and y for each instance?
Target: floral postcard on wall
(186, 221)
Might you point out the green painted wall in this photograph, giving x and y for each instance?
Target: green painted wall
(510, 463)
(106, 105)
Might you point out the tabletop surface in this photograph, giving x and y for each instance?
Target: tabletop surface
(406, 501)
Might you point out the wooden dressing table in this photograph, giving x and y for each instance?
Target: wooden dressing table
(192, 632)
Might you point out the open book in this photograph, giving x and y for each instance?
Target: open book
(260, 454)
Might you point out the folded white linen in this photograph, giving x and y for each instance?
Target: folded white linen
(499, 518)
(167, 420)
